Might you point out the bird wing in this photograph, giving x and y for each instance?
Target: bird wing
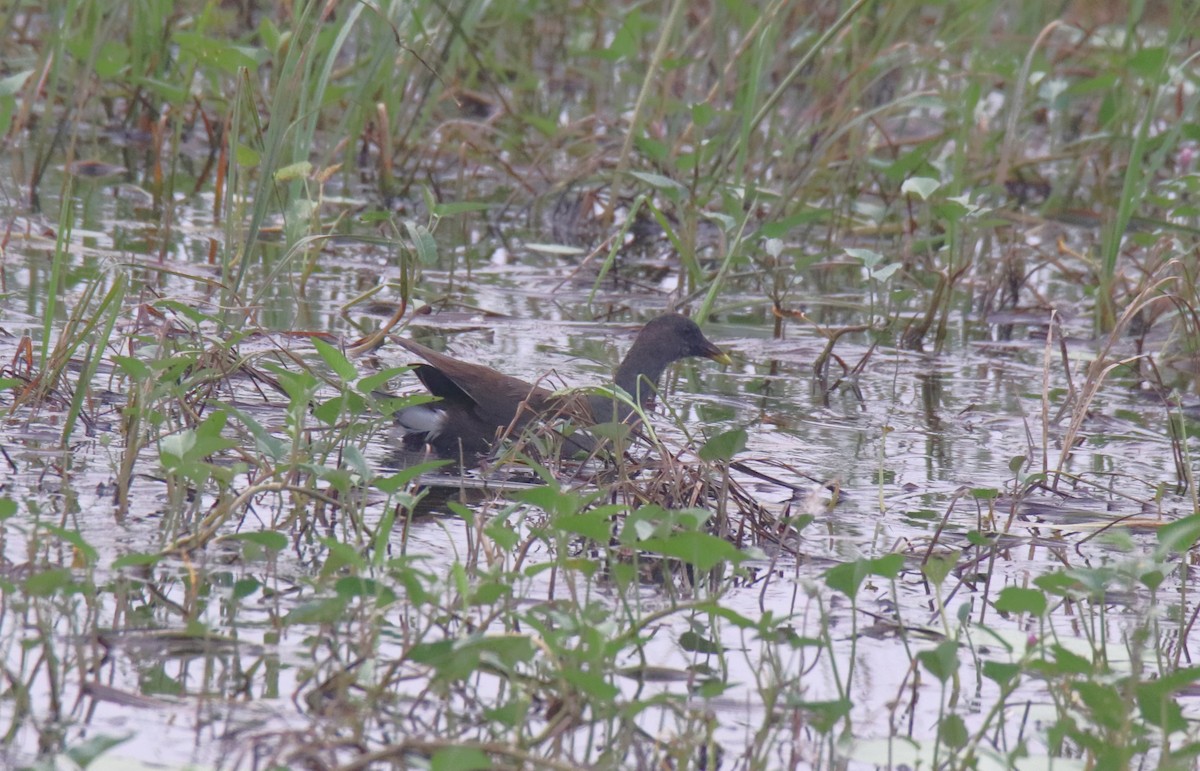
(493, 396)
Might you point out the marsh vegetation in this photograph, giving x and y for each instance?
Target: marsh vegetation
(939, 512)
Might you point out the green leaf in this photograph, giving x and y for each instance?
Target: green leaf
(952, 210)
(737, 619)
(137, 370)
(353, 459)
(1179, 536)
(341, 556)
(209, 439)
(976, 538)
(724, 446)
(194, 445)
(625, 42)
(401, 479)
(922, 186)
(488, 593)
(1059, 584)
(869, 258)
(695, 643)
(553, 500)
(155, 681)
(702, 114)
(506, 650)
(85, 752)
(192, 314)
(888, 566)
(659, 182)
(825, 715)
(459, 759)
(299, 386)
(335, 360)
(327, 611)
(47, 582)
(219, 54)
(938, 566)
(702, 550)
(1152, 579)
(942, 661)
(1149, 62)
(422, 242)
(245, 587)
(713, 689)
(370, 383)
(1156, 702)
(352, 587)
(596, 524)
(914, 163)
(247, 156)
(176, 446)
(75, 538)
(561, 250)
(167, 90)
(593, 685)
(271, 540)
(848, 577)
(1015, 599)
(509, 715)
(265, 442)
(1071, 663)
(269, 33)
(884, 272)
(453, 208)
(1002, 673)
(1104, 702)
(952, 731)
(136, 560)
(299, 170)
(457, 660)
(11, 85)
(431, 653)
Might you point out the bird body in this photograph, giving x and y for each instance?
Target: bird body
(477, 404)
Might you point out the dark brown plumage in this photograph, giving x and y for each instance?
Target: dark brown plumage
(478, 403)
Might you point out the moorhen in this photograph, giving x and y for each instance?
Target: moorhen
(477, 403)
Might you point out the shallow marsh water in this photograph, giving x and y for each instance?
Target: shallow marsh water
(913, 439)
(308, 634)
